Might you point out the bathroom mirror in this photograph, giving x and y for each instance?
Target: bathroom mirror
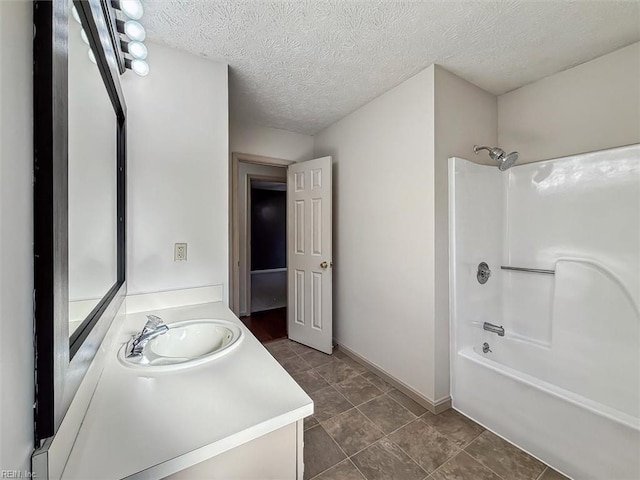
(92, 182)
(79, 195)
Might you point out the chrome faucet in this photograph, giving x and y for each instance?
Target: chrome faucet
(153, 328)
(490, 327)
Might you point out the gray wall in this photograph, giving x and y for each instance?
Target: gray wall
(383, 231)
(464, 115)
(593, 106)
(16, 235)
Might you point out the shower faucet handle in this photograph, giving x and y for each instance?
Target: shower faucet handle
(483, 273)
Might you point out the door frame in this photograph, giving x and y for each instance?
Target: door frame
(234, 218)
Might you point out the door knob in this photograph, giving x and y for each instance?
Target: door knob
(324, 265)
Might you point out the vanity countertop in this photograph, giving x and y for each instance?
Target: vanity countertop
(149, 425)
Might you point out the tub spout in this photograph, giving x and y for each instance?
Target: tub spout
(490, 327)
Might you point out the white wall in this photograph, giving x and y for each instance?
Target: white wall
(391, 221)
(464, 115)
(269, 142)
(590, 107)
(384, 230)
(16, 235)
(177, 172)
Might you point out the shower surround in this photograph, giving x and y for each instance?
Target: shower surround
(563, 383)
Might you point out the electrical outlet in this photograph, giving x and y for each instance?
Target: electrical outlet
(180, 252)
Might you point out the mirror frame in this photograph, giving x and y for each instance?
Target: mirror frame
(60, 360)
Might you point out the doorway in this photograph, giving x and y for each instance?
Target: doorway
(308, 243)
(267, 245)
(267, 259)
(258, 244)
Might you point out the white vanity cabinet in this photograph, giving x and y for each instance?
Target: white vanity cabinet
(239, 416)
(274, 456)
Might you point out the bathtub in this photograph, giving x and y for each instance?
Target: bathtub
(579, 437)
(563, 383)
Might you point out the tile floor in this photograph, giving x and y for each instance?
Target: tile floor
(364, 429)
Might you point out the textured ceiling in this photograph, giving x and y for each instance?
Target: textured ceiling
(302, 65)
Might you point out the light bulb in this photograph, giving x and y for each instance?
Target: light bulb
(134, 31)
(140, 67)
(92, 56)
(83, 34)
(131, 8)
(76, 16)
(137, 50)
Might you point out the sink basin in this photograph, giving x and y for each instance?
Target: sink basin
(186, 344)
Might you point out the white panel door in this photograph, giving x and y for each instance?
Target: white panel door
(309, 252)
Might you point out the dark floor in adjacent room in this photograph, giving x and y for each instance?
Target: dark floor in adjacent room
(365, 429)
(267, 325)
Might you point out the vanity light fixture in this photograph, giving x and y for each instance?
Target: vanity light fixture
(83, 34)
(132, 29)
(74, 13)
(131, 8)
(136, 49)
(138, 66)
(92, 56)
(135, 34)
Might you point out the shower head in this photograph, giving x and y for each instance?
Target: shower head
(505, 160)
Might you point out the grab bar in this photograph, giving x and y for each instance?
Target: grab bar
(532, 270)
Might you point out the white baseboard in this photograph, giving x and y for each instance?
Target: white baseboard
(143, 302)
(268, 271)
(434, 407)
(274, 306)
